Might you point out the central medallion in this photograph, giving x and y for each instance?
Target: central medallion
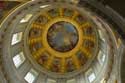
(62, 36)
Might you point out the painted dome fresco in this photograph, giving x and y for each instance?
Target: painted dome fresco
(62, 39)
